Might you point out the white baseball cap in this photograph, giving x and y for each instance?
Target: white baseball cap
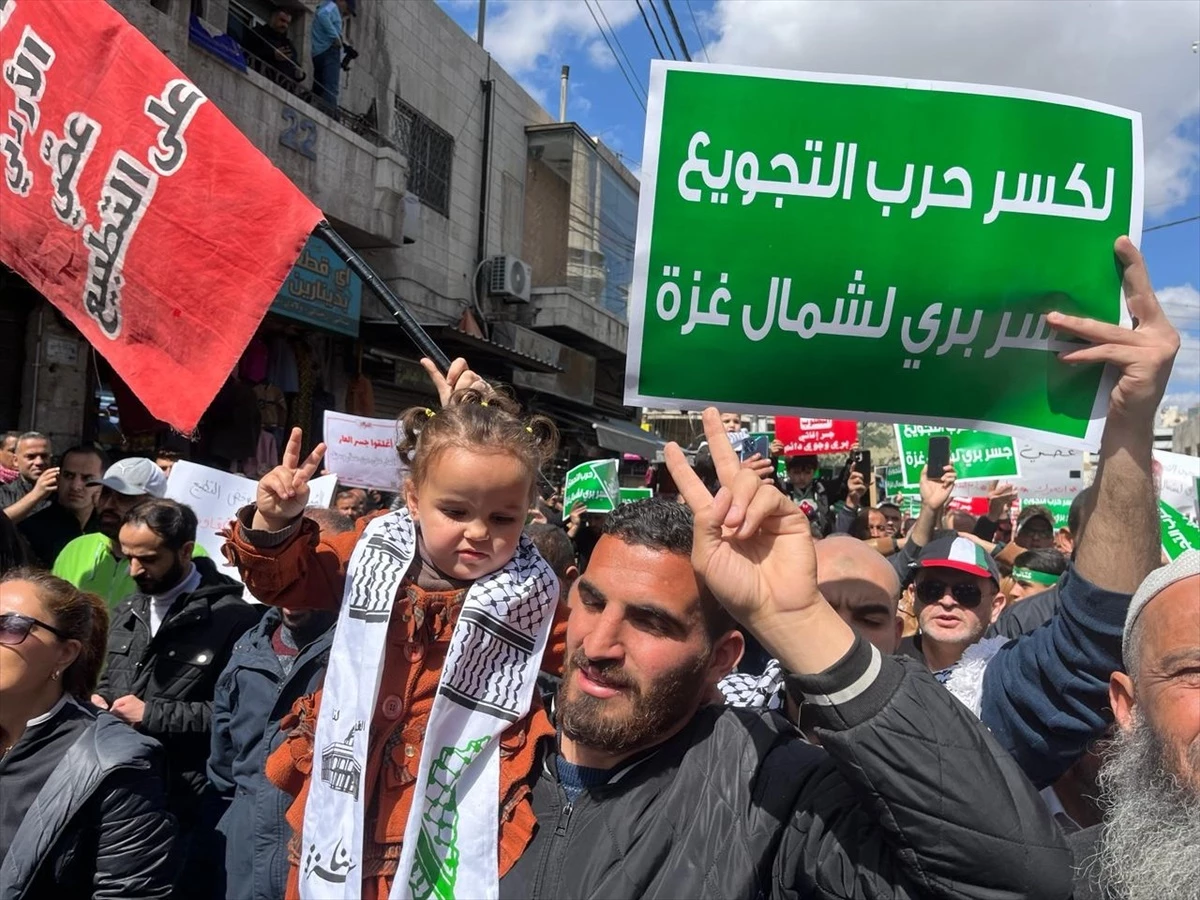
(134, 477)
(1186, 565)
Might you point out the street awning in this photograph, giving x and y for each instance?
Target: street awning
(625, 437)
(455, 341)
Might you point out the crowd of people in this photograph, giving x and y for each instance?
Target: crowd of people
(748, 687)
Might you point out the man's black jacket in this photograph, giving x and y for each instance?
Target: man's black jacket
(52, 529)
(909, 797)
(175, 672)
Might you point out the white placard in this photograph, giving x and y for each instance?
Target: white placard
(363, 451)
(1046, 471)
(1176, 474)
(1058, 472)
(216, 496)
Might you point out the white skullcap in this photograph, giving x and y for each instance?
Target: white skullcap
(1186, 565)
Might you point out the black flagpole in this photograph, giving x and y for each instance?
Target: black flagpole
(395, 305)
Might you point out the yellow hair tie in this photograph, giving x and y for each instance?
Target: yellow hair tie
(429, 413)
(483, 402)
(530, 430)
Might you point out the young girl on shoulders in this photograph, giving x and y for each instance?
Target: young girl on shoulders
(413, 755)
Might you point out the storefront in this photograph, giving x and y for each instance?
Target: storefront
(303, 360)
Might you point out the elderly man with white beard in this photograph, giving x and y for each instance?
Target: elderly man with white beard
(1148, 847)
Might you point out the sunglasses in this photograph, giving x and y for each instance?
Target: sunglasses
(965, 594)
(15, 627)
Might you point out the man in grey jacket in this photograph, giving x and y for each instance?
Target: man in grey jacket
(648, 791)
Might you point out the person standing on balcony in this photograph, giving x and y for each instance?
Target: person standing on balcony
(327, 50)
(270, 42)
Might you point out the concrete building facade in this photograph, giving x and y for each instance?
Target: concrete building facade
(436, 162)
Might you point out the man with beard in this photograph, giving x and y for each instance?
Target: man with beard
(93, 562)
(167, 645)
(647, 790)
(72, 512)
(1148, 847)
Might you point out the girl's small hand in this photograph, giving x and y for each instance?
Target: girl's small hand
(458, 377)
(283, 492)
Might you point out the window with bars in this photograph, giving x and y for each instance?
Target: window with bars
(430, 153)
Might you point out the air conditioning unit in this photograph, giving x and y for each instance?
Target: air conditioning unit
(510, 279)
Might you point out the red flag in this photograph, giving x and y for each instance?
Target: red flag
(976, 506)
(803, 437)
(133, 205)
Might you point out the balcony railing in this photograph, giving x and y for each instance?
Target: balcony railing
(228, 50)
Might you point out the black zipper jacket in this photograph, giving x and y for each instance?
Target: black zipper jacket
(175, 673)
(99, 827)
(909, 797)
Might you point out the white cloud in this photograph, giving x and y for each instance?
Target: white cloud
(578, 105)
(1131, 54)
(1182, 305)
(600, 56)
(521, 34)
(1171, 169)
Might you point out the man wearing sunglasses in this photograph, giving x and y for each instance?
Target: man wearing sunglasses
(957, 590)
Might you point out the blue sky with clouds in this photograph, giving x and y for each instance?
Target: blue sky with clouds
(1133, 54)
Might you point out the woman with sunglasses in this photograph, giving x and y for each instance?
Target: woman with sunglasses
(82, 802)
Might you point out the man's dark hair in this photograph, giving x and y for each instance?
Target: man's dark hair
(887, 504)
(174, 522)
(170, 455)
(662, 524)
(963, 521)
(802, 462)
(554, 545)
(1052, 562)
(88, 450)
(657, 523)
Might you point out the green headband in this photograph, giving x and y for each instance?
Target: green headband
(1020, 573)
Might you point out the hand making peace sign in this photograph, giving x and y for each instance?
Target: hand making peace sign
(283, 492)
(753, 548)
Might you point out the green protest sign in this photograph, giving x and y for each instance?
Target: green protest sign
(594, 483)
(629, 495)
(1060, 507)
(910, 502)
(893, 480)
(1178, 534)
(916, 231)
(975, 455)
